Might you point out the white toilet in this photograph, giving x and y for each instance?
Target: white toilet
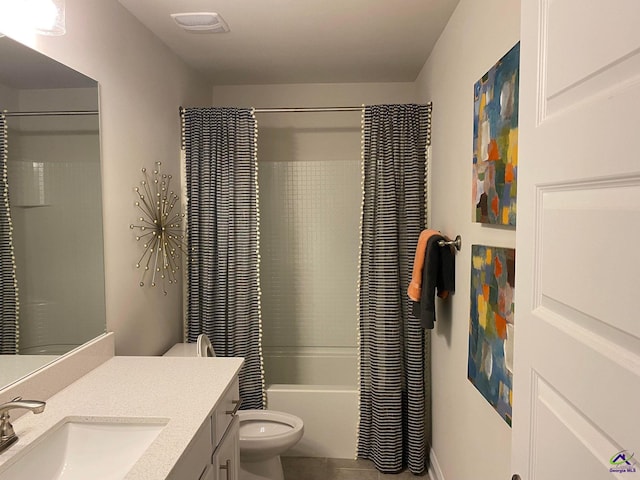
(264, 436)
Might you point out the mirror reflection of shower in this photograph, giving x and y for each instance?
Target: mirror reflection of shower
(55, 197)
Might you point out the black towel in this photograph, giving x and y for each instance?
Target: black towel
(438, 276)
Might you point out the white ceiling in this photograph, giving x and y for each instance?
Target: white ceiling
(303, 41)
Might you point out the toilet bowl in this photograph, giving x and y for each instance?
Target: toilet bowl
(264, 436)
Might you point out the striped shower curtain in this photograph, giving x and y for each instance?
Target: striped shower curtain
(8, 283)
(222, 227)
(392, 342)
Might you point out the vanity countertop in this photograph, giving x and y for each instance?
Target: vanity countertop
(182, 390)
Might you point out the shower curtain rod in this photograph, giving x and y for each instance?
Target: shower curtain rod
(306, 109)
(50, 114)
(300, 109)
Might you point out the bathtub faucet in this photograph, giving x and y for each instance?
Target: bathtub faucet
(7, 435)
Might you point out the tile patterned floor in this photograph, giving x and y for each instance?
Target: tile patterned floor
(305, 468)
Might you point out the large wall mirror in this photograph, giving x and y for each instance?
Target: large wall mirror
(55, 199)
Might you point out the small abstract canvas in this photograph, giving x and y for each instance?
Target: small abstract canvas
(495, 141)
(491, 325)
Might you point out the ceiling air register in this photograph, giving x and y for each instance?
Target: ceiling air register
(201, 22)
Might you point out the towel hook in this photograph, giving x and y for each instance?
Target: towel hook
(456, 243)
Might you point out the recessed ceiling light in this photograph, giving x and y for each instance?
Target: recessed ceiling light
(206, 22)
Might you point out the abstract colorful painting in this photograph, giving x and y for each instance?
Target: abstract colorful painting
(491, 325)
(495, 141)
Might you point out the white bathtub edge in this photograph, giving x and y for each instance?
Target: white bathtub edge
(280, 387)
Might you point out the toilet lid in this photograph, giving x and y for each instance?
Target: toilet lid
(204, 348)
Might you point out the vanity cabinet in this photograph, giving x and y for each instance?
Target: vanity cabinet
(214, 451)
(226, 458)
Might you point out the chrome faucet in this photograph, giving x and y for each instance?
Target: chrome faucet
(7, 436)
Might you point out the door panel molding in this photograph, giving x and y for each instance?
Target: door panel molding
(556, 420)
(577, 68)
(614, 344)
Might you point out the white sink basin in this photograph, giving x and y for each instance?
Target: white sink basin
(79, 450)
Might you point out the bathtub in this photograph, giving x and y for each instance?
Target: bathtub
(318, 385)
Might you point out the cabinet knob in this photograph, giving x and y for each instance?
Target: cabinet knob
(515, 476)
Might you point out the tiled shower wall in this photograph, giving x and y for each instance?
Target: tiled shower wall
(310, 200)
(309, 251)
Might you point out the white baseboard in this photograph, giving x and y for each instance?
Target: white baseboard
(435, 473)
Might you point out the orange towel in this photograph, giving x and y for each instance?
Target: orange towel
(415, 286)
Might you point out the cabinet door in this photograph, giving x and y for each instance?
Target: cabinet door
(226, 410)
(208, 474)
(226, 458)
(193, 462)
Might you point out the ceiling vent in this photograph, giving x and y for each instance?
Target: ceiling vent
(203, 22)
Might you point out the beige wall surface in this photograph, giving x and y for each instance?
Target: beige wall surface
(318, 136)
(470, 440)
(142, 83)
(313, 95)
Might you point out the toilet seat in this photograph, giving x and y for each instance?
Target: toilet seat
(263, 428)
(278, 422)
(267, 432)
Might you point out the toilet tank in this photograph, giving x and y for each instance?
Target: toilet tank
(182, 350)
(201, 348)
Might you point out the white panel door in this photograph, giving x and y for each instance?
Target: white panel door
(577, 338)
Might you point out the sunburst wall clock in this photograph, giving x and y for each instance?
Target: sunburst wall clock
(159, 228)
